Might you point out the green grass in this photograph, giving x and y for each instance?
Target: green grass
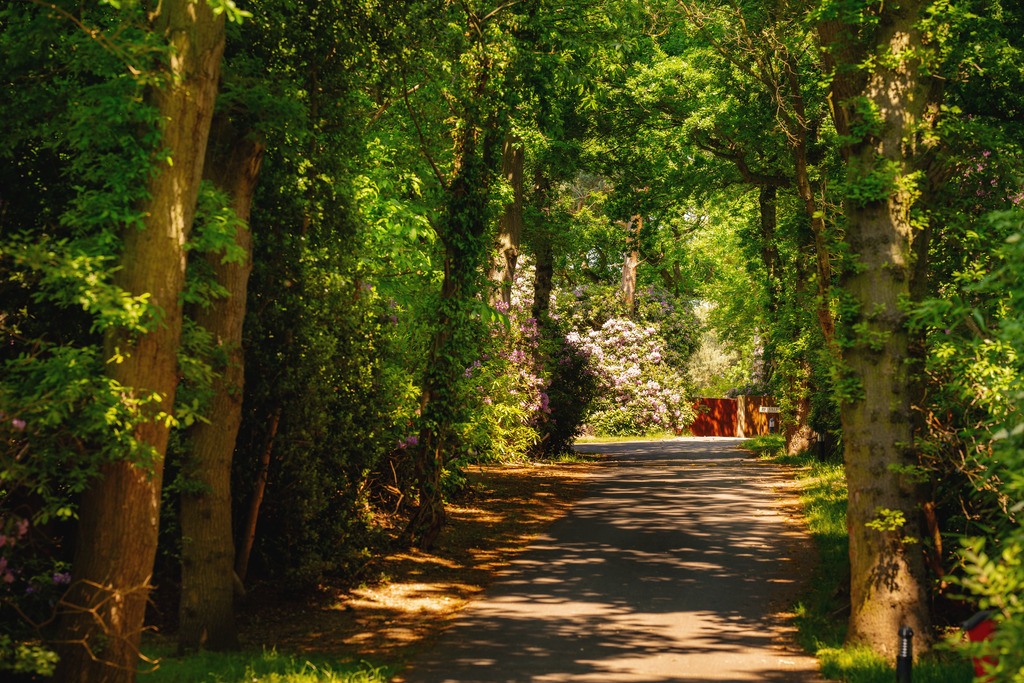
(766, 445)
(259, 667)
(860, 665)
(574, 458)
(824, 607)
(622, 439)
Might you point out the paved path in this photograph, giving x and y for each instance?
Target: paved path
(672, 569)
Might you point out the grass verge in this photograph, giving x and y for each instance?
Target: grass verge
(268, 666)
(823, 610)
(659, 436)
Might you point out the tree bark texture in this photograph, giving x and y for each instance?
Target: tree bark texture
(887, 570)
(206, 610)
(799, 435)
(510, 228)
(104, 610)
(630, 263)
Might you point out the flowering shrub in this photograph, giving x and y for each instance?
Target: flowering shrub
(642, 393)
(31, 581)
(590, 307)
(510, 387)
(638, 356)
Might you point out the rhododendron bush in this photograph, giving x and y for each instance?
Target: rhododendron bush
(642, 392)
(639, 358)
(507, 381)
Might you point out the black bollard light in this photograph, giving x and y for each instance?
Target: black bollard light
(905, 659)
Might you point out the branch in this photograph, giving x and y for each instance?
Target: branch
(730, 153)
(498, 9)
(387, 105)
(93, 33)
(419, 133)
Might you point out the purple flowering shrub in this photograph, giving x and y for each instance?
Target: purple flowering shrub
(638, 356)
(641, 393)
(31, 582)
(509, 385)
(60, 419)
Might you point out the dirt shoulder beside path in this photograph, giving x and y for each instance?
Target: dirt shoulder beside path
(504, 509)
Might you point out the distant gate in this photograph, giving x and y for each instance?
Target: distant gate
(715, 417)
(744, 416)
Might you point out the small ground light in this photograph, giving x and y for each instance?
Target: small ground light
(905, 658)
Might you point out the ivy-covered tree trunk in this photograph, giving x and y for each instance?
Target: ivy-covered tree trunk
(464, 257)
(510, 227)
(463, 234)
(206, 611)
(544, 253)
(119, 515)
(543, 281)
(879, 113)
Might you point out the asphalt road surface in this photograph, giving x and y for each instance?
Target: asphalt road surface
(675, 567)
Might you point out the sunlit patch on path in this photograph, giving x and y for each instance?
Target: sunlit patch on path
(676, 567)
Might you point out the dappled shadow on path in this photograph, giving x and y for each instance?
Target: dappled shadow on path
(673, 569)
(503, 510)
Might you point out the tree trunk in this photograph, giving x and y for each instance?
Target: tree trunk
(207, 617)
(887, 569)
(463, 232)
(543, 282)
(799, 435)
(119, 515)
(545, 255)
(510, 228)
(249, 530)
(630, 262)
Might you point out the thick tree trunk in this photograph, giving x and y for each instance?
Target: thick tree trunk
(207, 617)
(119, 514)
(887, 571)
(799, 435)
(510, 228)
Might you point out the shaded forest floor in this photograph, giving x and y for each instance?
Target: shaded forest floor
(420, 593)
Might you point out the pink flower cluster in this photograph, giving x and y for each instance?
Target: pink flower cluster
(10, 539)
